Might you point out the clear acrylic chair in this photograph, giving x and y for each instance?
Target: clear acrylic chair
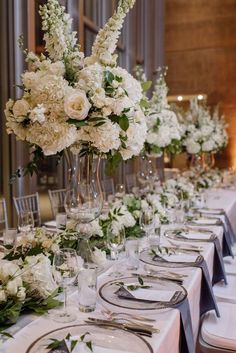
(3, 215)
(56, 198)
(217, 335)
(29, 203)
(131, 181)
(108, 187)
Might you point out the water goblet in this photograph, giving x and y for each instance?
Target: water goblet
(65, 270)
(115, 242)
(147, 221)
(25, 221)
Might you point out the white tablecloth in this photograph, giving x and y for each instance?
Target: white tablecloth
(168, 321)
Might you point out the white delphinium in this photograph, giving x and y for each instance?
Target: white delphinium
(59, 38)
(107, 38)
(164, 130)
(204, 133)
(38, 276)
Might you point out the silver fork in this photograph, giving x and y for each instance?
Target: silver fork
(113, 315)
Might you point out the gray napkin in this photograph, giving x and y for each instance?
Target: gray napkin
(218, 267)
(207, 300)
(186, 331)
(227, 242)
(230, 229)
(186, 341)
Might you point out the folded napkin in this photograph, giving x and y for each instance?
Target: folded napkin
(186, 341)
(181, 258)
(82, 348)
(195, 235)
(207, 300)
(50, 224)
(218, 266)
(227, 242)
(230, 229)
(186, 330)
(146, 295)
(206, 221)
(211, 211)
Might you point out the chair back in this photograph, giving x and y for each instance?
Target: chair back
(29, 203)
(171, 173)
(3, 215)
(131, 181)
(56, 198)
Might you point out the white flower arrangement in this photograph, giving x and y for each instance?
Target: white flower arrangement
(164, 130)
(204, 133)
(182, 188)
(37, 274)
(72, 102)
(36, 241)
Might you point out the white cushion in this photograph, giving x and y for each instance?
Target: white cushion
(225, 292)
(220, 332)
(234, 249)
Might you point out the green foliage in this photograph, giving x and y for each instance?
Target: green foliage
(41, 306)
(77, 123)
(32, 166)
(112, 163)
(144, 103)
(146, 85)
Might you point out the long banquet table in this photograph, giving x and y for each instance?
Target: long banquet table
(29, 328)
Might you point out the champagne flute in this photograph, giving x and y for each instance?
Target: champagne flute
(25, 221)
(115, 242)
(65, 270)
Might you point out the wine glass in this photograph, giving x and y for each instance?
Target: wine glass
(120, 190)
(25, 221)
(65, 270)
(115, 242)
(147, 221)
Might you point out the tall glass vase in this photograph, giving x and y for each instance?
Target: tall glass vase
(83, 199)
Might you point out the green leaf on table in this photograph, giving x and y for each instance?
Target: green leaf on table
(89, 345)
(140, 280)
(7, 334)
(55, 343)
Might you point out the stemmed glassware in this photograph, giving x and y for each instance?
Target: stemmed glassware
(147, 221)
(25, 221)
(65, 270)
(115, 243)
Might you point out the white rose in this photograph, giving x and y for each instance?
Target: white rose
(3, 296)
(21, 294)
(76, 105)
(21, 108)
(11, 288)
